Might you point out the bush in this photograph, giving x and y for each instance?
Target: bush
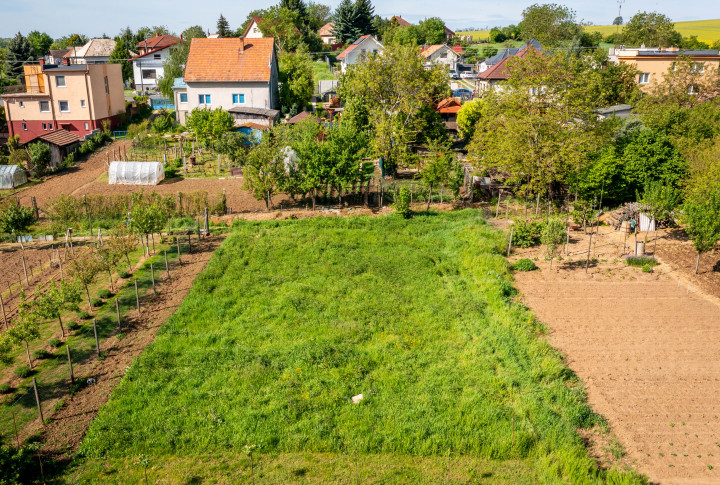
(69, 161)
(105, 294)
(5, 388)
(171, 171)
(40, 157)
(54, 342)
(96, 302)
(22, 371)
(523, 265)
(73, 325)
(16, 218)
(527, 233)
(640, 261)
(41, 354)
(647, 268)
(123, 274)
(402, 204)
(83, 315)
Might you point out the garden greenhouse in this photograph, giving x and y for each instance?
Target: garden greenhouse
(12, 176)
(136, 173)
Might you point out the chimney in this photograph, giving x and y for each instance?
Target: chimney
(41, 61)
(66, 61)
(242, 45)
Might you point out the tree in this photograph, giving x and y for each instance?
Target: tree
(296, 81)
(147, 218)
(432, 31)
(235, 145)
(364, 13)
(553, 236)
(346, 22)
(84, 268)
(286, 27)
(223, 27)
(39, 157)
(20, 52)
(497, 36)
(26, 328)
(265, 167)
(399, 95)
(194, 32)
(702, 220)
(121, 243)
(318, 14)
(659, 200)
(652, 29)
(173, 67)
(40, 42)
(49, 304)
(209, 125)
(550, 24)
(435, 167)
(468, 116)
(687, 83)
(72, 40)
(617, 20)
(16, 218)
(121, 55)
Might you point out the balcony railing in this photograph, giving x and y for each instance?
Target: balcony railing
(23, 89)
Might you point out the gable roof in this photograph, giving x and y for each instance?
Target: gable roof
(57, 53)
(254, 20)
(449, 33)
(449, 105)
(232, 59)
(432, 49)
(93, 48)
(299, 117)
(154, 51)
(158, 42)
(326, 30)
(457, 48)
(401, 21)
(511, 51)
(60, 138)
(355, 45)
(500, 71)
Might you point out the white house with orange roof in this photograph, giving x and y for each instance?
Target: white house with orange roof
(358, 51)
(148, 65)
(441, 54)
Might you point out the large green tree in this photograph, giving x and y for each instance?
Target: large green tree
(346, 28)
(652, 29)
(40, 42)
(19, 52)
(209, 125)
(432, 31)
(318, 14)
(296, 81)
(174, 67)
(550, 24)
(364, 12)
(223, 27)
(121, 55)
(193, 32)
(701, 217)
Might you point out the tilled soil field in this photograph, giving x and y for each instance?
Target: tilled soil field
(645, 345)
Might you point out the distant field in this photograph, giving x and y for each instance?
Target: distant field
(291, 319)
(706, 30)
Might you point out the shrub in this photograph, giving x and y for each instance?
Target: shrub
(527, 233)
(105, 294)
(640, 261)
(402, 204)
(40, 157)
(41, 354)
(83, 315)
(647, 268)
(54, 342)
(69, 161)
(523, 265)
(73, 325)
(96, 302)
(123, 274)
(16, 218)
(171, 171)
(22, 371)
(5, 388)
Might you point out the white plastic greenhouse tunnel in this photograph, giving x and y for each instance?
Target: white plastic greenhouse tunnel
(12, 176)
(136, 173)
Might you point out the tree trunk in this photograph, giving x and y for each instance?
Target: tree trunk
(62, 329)
(427, 207)
(27, 351)
(314, 195)
(87, 292)
(697, 263)
(111, 281)
(367, 192)
(655, 243)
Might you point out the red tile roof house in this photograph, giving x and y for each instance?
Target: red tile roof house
(359, 50)
(448, 109)
(148, 65)
(441, 54)
(495, 76)
(238, 75)
(327, 33)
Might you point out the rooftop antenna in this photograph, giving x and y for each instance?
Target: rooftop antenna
(617, 30)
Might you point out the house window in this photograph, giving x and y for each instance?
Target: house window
(644, 78)
(443, 55)
(24, 125)
(87, 127)
(22, 104)
(82, 102)
(692, 89)
(204, 99)
(238, 98)
(44, 106)
(156, 57)
(44, 126)
(148, 73)
(107, 86)
(60, 81)
(183, 97)
(64, 106)
(697, 67)
(50, 126)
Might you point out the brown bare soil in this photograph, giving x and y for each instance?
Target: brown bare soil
(645, 345)
(68, 425)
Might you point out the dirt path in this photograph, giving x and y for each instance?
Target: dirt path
(646, 349)
(68, 425)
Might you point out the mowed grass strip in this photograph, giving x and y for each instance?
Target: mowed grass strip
(291, 319)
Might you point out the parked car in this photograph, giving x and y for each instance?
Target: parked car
(454, 74)
(467, 75)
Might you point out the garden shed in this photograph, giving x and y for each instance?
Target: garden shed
(12, 176)
(62, 143)
(136, 173)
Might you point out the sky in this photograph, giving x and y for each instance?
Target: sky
(108, 17)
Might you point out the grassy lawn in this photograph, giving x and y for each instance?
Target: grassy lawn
(321, 72)
(292, 319)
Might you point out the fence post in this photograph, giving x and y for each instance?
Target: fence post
(97, 342)
(152, 275)
(587, 262)
(27, 282)
(510, 243)
(137, 298)
(117, 310)
(2, 306)
(72, 376)
(177, 238)
(207, 222)
(37, 400)
(35, 208)
(167, 266)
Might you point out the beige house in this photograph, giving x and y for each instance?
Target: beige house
(327, 33)
(653, 64)
(96, 51)
(238, 75)
(442, 55)
(78, 98)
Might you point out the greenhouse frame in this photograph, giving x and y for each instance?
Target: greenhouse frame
(12, 176)
(136, 173)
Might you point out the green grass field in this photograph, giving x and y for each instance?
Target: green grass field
(706, 30)
(291, 319)
(321, 72)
